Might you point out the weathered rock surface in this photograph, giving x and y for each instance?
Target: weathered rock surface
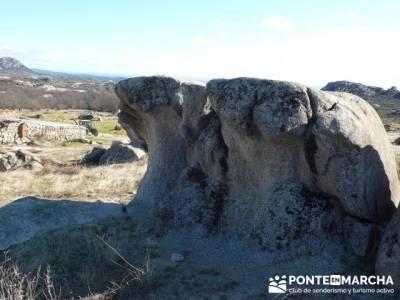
(153, 109)
(92, 158)
(388, 259)
(118, 153)
(271, 162)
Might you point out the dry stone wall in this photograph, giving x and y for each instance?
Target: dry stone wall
(20, 130)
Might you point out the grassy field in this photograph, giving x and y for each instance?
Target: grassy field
(107, 183)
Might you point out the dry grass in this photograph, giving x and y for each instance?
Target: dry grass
(51, 168)
(110, 183)
(15, 285)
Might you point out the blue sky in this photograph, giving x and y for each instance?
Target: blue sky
(307, 41)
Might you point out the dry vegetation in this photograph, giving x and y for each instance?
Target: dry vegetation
(15, 285)
(115, 183)
(97, 95)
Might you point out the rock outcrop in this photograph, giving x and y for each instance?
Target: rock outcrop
(19, 159)
(118, 153)
(271, 162)
(361, 90)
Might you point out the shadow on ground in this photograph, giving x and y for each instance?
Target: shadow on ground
(29, 217)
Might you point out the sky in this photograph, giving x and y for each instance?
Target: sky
(311, 42)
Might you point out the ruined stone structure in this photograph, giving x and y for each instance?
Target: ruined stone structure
(274, 163)
(19, 130)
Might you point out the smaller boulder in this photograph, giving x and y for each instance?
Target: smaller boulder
(121, 153)
(14, 160)
(8, 161)
(118, 153)
(93, 157)
(90, 117)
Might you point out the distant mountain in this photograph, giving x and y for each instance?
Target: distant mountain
(11, 67)
(361, 90)
(76, 76)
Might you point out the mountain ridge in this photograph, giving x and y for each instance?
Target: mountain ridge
(12, 67)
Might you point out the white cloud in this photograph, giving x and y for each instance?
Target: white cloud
(313, 57)
(275, 22)
(201, 40)
(353, 15)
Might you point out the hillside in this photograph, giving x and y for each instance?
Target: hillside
(20, 87)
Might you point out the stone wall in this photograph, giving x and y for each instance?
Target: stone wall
(20, 130)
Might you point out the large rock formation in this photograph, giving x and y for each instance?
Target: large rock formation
(267, 161)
